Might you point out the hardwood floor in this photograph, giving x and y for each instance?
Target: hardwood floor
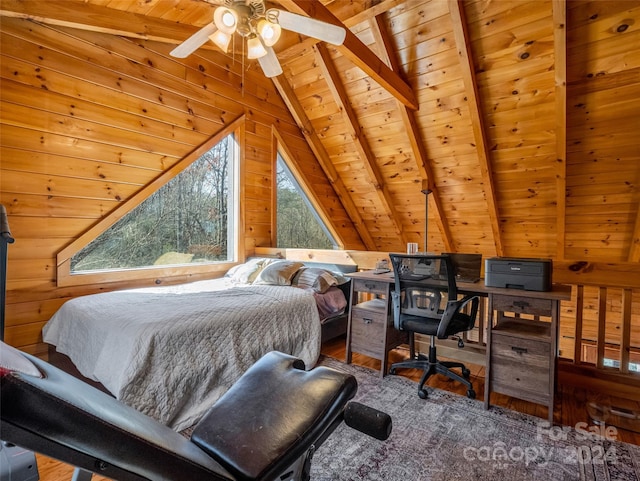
(569, 407)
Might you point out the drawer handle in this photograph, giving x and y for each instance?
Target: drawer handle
(521, 304)
(519, 350)
(370, 285)
(367, 320)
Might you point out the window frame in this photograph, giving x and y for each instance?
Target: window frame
(66, 278)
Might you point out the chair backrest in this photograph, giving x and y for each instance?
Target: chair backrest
(425, 286)
(421, 283)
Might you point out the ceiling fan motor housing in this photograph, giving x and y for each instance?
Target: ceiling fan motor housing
(247, 11)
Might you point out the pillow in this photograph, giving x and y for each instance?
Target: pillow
(245, 273)
(278, 273)
(330, 303)
(320, 280)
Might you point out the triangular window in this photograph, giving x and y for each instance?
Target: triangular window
(185, 221)
(183, 224)
(298, 223)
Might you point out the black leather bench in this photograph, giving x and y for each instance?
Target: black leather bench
(263, 428)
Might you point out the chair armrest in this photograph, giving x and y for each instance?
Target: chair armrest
(453, 312)
(396, 305)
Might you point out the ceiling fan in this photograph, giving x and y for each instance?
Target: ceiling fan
(262, 29)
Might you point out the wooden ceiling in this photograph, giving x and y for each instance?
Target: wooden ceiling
(520, 116)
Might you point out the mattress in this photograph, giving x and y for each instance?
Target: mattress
(171, 352)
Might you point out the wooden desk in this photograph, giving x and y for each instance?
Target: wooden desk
(522, 334)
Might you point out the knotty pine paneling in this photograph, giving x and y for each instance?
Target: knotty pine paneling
(50, 164)
(512, 45)
(445, 123)
(89, 119)
(32, 140)
(602, 128)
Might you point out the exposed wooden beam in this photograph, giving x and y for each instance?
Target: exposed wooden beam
(560, 69)
(461, 35)
(96, 18)
(360, 142)
(383, 38)
(298, 113)
(358, 52)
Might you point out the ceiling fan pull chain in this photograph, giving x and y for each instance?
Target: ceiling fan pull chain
(242, 78)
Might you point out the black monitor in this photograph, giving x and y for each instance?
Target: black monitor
(467, 266)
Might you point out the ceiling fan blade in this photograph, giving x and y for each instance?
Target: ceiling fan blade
(194, 42)
(313, 28)
(270, 64)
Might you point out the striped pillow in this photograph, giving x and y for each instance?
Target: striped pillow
(314, 278)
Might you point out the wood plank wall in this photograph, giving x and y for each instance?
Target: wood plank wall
(603, 85)
(89, 119)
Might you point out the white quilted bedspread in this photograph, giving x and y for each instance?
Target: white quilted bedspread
(172, 354)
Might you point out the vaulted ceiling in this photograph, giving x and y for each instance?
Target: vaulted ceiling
(520, 116)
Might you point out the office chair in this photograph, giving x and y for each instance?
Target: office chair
(425, 301)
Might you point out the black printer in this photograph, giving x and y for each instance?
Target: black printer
(518, 273)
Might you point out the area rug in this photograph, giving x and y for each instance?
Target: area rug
(451, 437)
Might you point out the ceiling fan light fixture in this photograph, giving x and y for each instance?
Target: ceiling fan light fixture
(261, 28)
(255, 49)
(226, 20)
(221, 39)
(269, 32)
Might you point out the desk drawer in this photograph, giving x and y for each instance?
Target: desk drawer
(523, 305)
(520, 367)
(368, 329)
(370, 286)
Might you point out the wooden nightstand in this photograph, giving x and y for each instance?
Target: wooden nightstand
(370, 330)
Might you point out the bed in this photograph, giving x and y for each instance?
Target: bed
(171, 352)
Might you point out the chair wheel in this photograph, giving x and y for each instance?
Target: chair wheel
(392, 371)
(423, 393)
(471, 394)
(466, 373)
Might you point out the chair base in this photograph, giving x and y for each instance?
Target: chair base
(431, 365)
